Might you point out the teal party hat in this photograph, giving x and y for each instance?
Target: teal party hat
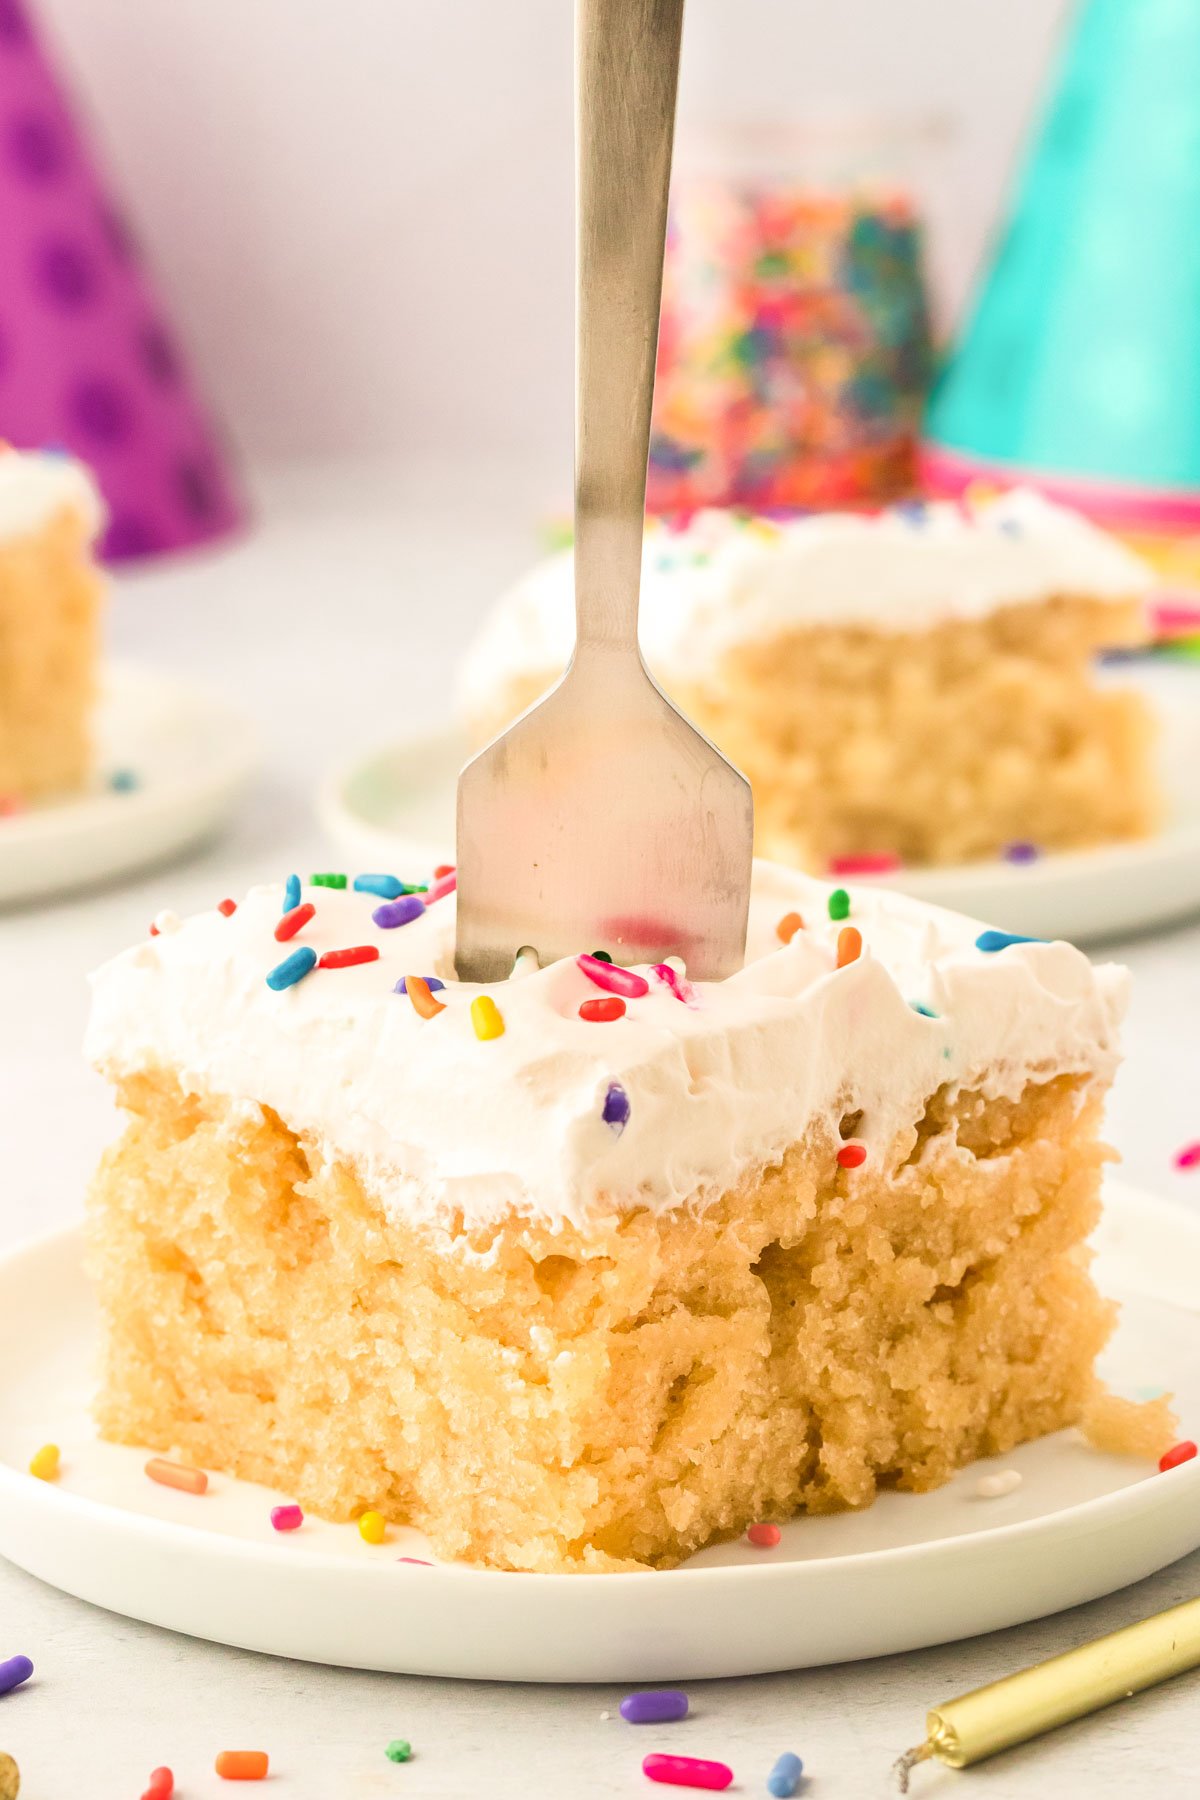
(1079, 367)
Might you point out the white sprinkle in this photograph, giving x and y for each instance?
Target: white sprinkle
(994, 1487)
(606, 1715)
(168, 922)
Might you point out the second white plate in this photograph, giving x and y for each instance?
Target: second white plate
(394, 809)
(914, 1569)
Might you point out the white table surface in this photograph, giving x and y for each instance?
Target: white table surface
(337, 622)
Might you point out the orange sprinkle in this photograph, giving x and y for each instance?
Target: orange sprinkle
(788, 926)
(176, 1475)
(849, 945)
(417, 989)
(242, 1765)
(443, 869)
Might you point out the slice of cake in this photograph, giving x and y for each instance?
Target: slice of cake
(919, 685)
(50, 594)
(591, 1267)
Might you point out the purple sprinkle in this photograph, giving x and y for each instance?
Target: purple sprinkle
(1020, 852)
(13, 1672)
(616, 1107)
(398, 912)
(431, 982)
(654, 1707)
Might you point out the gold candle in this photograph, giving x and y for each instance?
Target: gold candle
(1081, 1681)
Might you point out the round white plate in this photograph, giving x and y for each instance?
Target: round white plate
(189, 756)
(395, 809)
(912, 1570)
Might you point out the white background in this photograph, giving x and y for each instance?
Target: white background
(361, 210)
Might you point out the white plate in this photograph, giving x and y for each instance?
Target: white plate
(912, 1570)
(395, 809)
(190, 756)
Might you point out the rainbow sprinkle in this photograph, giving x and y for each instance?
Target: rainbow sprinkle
(329, 881)
(616, 1109)
(486, 1017)
(291, 893)
(615, 979)
(388, 887)
(398, 912)
(1188, 1157)
(990, 941)
(292, 969)
(430, 983)
(839, 904)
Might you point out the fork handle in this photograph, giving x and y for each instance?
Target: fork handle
(626, 72)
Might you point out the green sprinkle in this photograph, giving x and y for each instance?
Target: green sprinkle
(333, 881)
(601, 956)
(839, 904)
(399, 1750)
(919, 1006)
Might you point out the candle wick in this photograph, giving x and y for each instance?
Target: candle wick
(904, 1767)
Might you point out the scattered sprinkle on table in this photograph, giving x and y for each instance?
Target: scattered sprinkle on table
(603, 1012)
(329, 881)
(123, 781)
(654, 1706)
(294, 921)
(14, 1672)
(372, 1528)
(177, 1475)
(994, 1487)
(287, 1518)
(418, 991)
(292, 969)
(227, 908)
(839, 904)
(788, 926)
(849, 945)
(687, 1771)
(398, 912)
(1178, 1453)
(990, 941)
(349, 959)
(616, 1108)
(44, 1463)
(399, 1750)
(1020, 852)
(784, 1778)
(866, 862)
(388, 887)
(1188, 1157)
(161, 1785)
(613, 978)
(291, 893)
(486, 1018)
(852, 1155)
(10, 1777)
(242, 1765)
(764, 1536)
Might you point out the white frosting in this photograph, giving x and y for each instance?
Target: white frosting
(37, 484)
(725, 580)
(439, 1121)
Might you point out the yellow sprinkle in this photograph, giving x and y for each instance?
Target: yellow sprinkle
(485, 1017)
(44, 1463)
(372, 1528)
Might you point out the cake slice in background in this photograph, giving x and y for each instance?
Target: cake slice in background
(50, 598)
(917, 685)
(576, 1291)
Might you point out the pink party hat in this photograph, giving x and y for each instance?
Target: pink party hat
(86, 360)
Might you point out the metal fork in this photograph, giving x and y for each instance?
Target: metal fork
(602, 819)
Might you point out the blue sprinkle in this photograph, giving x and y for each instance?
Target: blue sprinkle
(616, 1107)
(1011, 527)
(1000, 940)
(398, 912)
(1020, 852)
(123, 781)
(291, 893)
(292, 969)
(431, 982)
(386, 886)
(926, 1012)
(784, 1778)
(914, 512)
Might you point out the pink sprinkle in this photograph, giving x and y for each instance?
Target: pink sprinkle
(613, 978)
(764, 1537)
(418, 1560)
(682, 990)
(445, 884)
(287, 1518)
(1188, 1157)
(867, 862)
(10, 806)
(687, 1771)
